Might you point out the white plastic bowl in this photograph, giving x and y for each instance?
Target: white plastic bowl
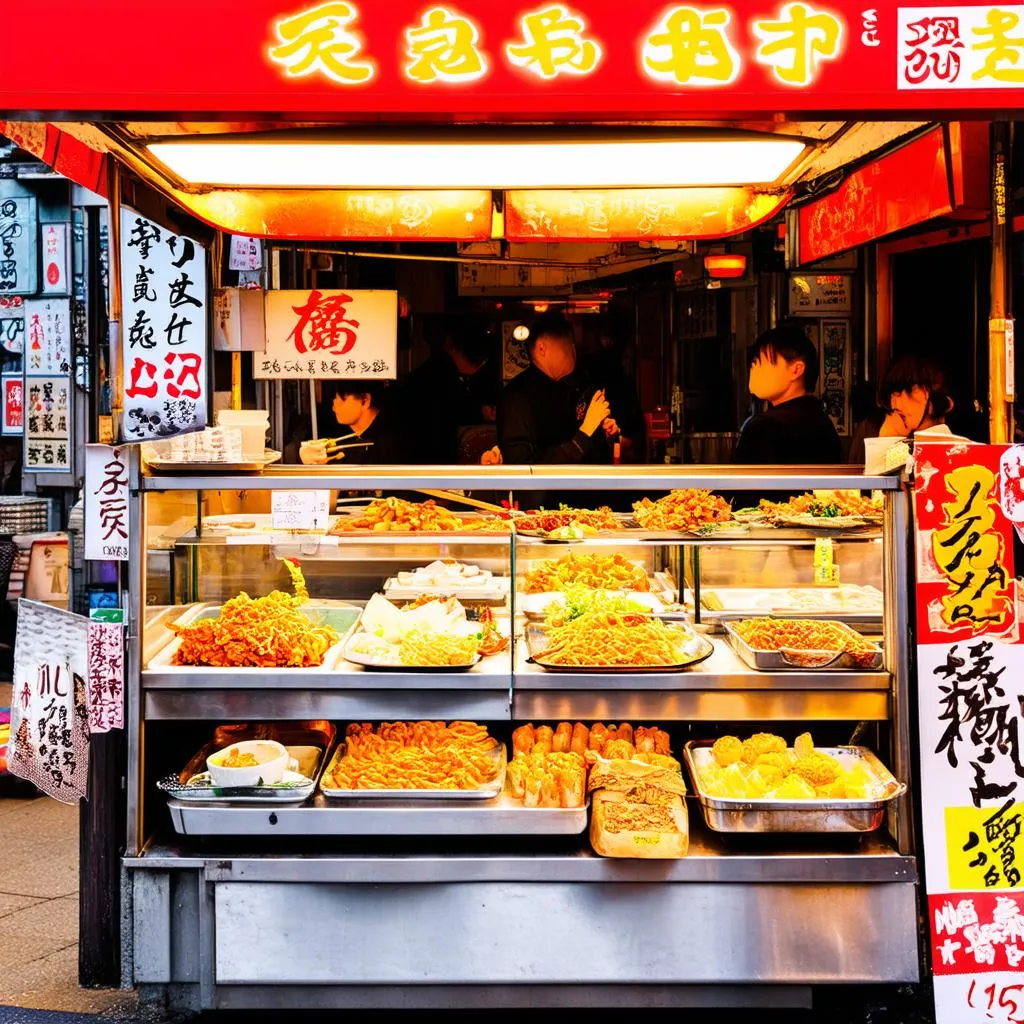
(273, 761)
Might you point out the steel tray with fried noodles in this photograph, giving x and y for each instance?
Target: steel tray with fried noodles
(537, 642)
(793, 659)
(747, 815)
(485, 792)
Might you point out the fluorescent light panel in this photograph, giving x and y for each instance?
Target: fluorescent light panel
(487, 165)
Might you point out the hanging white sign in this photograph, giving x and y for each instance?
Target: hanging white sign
(48, 337)
(107, 537)
(12, 323)
(246, 253)
(164, 331)
(49, 718)
(105, 676)
(330, 333)
(55, 258)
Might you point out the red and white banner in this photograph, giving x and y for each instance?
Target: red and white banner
(333, 333)
(164, 331)
(14, 403)
(970, 669)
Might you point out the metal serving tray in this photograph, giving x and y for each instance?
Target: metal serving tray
(725, 814)
(403, 796)
(308, 743)
(801, 660)
(536, 644)
(342, 617)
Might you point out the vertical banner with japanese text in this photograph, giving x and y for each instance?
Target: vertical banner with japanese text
(107, 536)
(49, 717)
(970, 667)
(329, 333)
(164, 310)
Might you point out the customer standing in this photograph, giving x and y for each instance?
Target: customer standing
(794, 429)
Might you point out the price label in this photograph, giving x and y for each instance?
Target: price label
(826, 572)
(300, 510)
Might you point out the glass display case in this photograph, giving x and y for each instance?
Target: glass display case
(612, 625)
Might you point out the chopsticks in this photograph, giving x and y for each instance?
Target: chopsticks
(486, 506)
(336, 451)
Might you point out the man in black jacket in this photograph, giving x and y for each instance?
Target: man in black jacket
(545, 415)
(794, 429)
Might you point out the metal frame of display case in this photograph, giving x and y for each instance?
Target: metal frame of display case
(342, 919)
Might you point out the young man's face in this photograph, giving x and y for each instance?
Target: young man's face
(771, 378)
(348, 408)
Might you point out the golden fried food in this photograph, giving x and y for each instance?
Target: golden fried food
(769, 634)
(417, 755)
(830, 506)
(398, 515)
(770, 770)
(727, 750)
(262, 632)
(548, 779)
(762, 743)
(442, 649)
(545, 521)
(597, 572)
(682, 510)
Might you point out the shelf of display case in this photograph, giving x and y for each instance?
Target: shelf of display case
(501, 478)
(388, 860)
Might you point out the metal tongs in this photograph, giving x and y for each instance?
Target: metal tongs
(333, 447)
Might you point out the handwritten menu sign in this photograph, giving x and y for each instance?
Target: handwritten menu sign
(19, 274)
(48, 336)
(971, 680)
(105, 676)
(106, 504)
(48, 424)
(246, 253)
(329, 333)
(49, 717)
(164, 303)
(820, 294)
(300, 510)
(12, 323)
(14, 403)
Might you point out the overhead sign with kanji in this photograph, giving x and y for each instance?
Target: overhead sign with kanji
(163, 331)
(971, 684)
(480, 57)
(333, 333)
(107, 536)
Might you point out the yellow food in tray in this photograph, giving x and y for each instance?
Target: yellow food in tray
(688, 509)
(598, 572)
(262, 632)
(764, 767)
(415, 756)
(548, 779)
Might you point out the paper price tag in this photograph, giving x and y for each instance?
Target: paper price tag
(300, 510)
(826, 572)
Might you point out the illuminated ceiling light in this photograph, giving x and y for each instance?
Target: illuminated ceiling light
(511, 164)
(725, 265)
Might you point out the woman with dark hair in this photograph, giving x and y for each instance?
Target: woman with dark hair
(913, 397)
(370, 436)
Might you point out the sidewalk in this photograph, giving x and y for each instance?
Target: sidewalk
(39, 908)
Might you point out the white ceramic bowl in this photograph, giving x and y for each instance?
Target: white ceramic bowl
(272, 758)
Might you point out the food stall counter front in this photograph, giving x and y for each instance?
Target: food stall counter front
(333, 884)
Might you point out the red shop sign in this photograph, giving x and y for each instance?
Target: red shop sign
(352, 58)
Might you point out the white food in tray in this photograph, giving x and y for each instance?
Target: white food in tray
(445, 573)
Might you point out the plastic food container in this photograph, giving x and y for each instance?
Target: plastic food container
(254, 425)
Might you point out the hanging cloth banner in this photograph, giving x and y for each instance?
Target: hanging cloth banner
(164, 304)
(105, 676)
(49, 718)
(970, 666)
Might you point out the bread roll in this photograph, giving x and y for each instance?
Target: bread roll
(598, 737)
(626, 732)
(522, 739)
(563, 738)
(661, 742)
(644, 740)
(580, 739)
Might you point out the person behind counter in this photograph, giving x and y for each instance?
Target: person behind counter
(543, 417)
(368, 435)
(794, 429)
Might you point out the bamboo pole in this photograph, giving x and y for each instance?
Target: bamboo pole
(1000, 325)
